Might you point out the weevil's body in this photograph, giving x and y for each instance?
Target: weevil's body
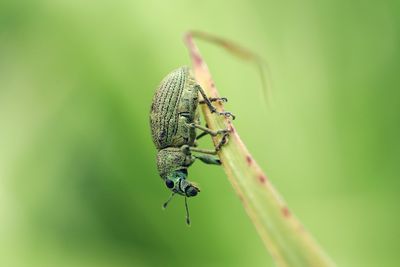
(173, 120)
(174, 107)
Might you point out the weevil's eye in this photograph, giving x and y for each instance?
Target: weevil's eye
(191, 191)
(169, 183)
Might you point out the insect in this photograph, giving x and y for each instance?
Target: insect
(174, 118)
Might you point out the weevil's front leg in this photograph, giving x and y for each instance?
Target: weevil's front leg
(208, 159)
(204, 156)
(187, 150)
(210, 106)
(202, 150)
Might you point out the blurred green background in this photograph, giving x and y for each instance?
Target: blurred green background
(78, 181)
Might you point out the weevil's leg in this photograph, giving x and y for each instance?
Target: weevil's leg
(197, 121)
(187, 150)
(208, 130)
(214, 99)
(208, 159)
(204, 151)
(210, 106)
(223, 141)
(201, 135)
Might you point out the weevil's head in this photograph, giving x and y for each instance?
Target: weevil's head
(176, 181)
(172, 164)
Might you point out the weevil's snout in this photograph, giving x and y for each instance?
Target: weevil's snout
(191, 191)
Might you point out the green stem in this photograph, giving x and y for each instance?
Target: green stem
(282, 233)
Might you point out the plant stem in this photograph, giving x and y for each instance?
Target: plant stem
(281, 232)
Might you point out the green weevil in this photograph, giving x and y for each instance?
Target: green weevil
(174, 118)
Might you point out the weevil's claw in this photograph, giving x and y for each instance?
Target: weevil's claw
(215, 99)
(224, 131)
(221, 99)
(223, 142)
(188, 221)
(227, 114)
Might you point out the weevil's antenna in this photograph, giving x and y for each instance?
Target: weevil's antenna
(169, 199)
(187, 212)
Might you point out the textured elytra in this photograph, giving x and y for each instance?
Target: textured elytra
(173, 109)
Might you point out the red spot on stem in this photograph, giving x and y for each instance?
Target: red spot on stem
(262, 178)
(286, 212)
(249, 159)
(197, 60)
